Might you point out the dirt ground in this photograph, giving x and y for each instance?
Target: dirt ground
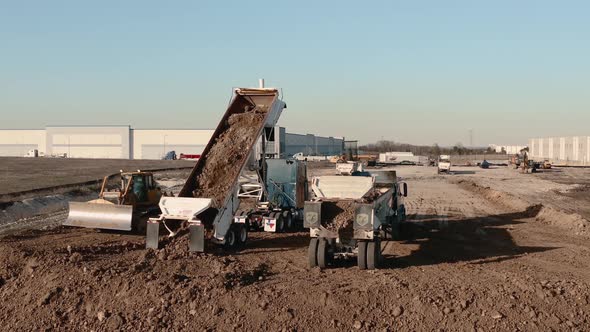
(49, 172)
(485, 255)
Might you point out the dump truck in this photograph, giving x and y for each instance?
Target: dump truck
(209, 198)
(124, 209)
(351, 215)
(348, 167)
(275, 202)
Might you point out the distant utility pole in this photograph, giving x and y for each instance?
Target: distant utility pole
(470, 138)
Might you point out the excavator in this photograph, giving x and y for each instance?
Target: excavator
(125, 209)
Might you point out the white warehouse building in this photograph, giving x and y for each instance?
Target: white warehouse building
(574, 150)
(124, 142)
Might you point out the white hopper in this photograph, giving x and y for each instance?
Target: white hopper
(342, 187)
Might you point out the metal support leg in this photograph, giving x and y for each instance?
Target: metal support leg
(196, 237)
(152, 240)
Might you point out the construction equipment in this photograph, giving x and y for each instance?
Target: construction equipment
(348, 167)
(123, 209)
(516, 160)
(444, 164)
(366, 208)
(209, 202)
(276, 200)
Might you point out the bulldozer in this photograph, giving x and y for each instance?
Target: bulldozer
(124, 209)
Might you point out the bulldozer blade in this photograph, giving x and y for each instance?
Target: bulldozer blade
(102, 216)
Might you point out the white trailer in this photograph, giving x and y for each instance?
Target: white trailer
(379, 210)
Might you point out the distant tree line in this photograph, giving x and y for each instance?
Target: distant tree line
(423, 150)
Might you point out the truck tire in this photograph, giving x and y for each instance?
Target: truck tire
(242, 232)
(280, 223)
(231, 239)
(373, 255)
(312, 252)
(323, 257)
(362, 255)
(289, 223)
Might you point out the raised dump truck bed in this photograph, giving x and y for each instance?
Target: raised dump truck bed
(214, 179)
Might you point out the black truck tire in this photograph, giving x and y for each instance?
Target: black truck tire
(312, 252)
(362, 255)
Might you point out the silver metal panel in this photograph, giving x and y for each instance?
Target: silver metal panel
(102, 216)
(312, 214)
(152, 240)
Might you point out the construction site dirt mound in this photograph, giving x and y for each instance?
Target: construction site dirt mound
(566, 220)
(223, 163)
(338, 217)
(96, 281)
(473, 265)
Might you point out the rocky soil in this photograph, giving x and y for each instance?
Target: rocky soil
(474, 263)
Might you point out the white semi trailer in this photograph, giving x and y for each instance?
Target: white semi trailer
(378, 211)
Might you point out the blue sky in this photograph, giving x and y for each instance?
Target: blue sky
(411, 71)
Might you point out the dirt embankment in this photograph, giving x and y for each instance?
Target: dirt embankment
(44, 174)
(223, 163)
(571, 222)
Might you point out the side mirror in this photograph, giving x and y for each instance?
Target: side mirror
(405, 189)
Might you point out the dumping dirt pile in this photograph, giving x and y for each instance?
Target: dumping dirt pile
(76, 279)
(223, 163)
(338, 217)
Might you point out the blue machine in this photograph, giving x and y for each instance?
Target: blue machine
(285, 190)
(286, 183)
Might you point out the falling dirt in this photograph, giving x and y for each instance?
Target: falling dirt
(338, 217)
(223, 163)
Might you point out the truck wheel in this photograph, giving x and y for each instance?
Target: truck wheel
(231, 238)
(242, 231)
(280, 223)
(323, 257)
(288, 217)
(373, 255)
(362, 255)
(312, 252)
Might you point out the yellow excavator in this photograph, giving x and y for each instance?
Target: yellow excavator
(125, 209)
